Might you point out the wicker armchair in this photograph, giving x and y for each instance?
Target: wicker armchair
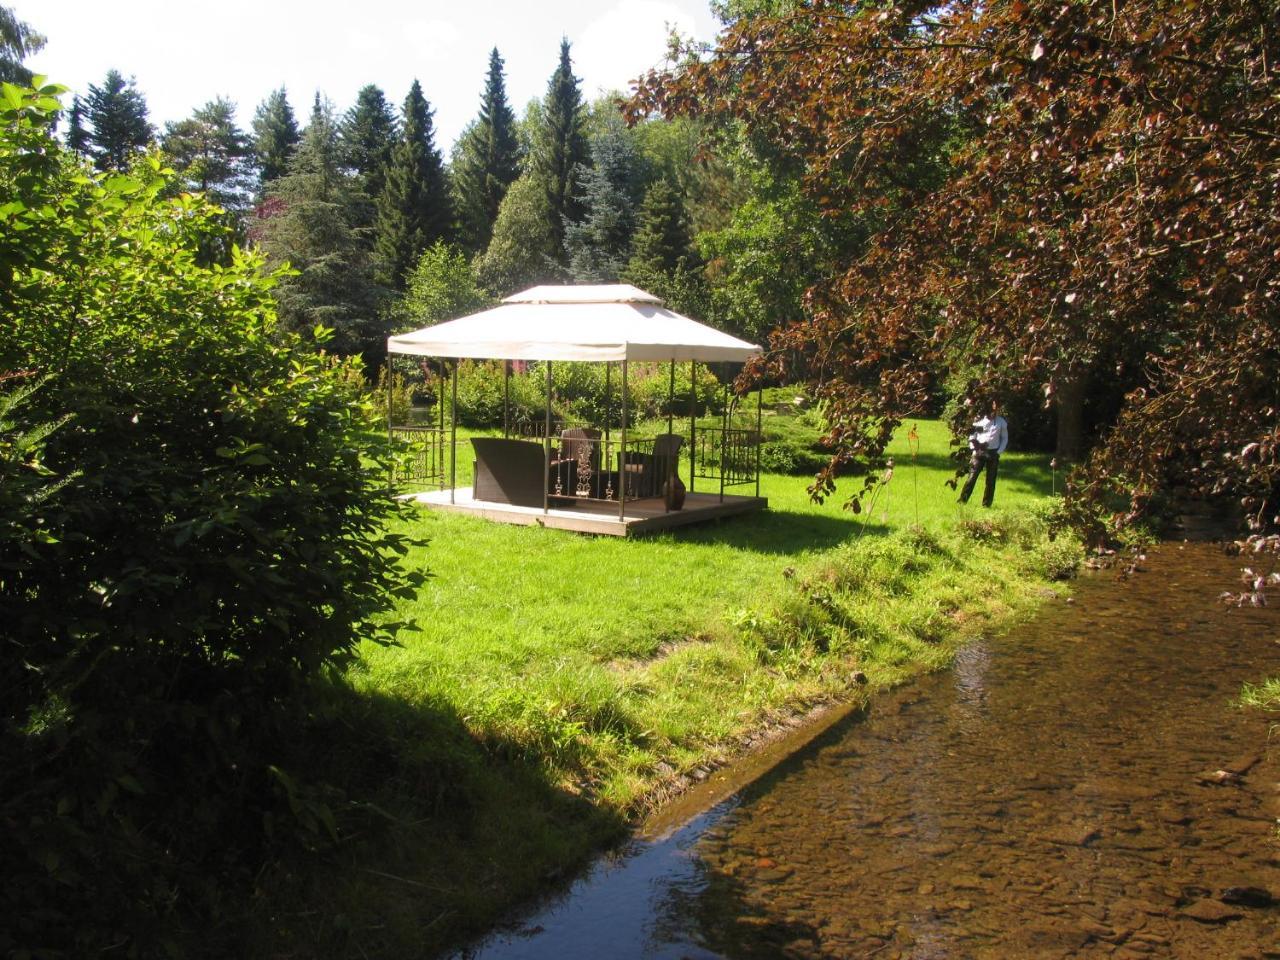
(645, 473)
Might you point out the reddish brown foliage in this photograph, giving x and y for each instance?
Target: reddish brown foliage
(1105, 202)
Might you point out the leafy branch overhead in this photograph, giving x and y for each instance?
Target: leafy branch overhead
(1077, 198)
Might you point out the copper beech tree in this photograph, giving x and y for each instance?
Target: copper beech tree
(1057, 194)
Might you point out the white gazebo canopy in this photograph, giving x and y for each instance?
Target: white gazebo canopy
(594, 323)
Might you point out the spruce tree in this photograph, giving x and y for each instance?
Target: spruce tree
(559, 146)
(212, 155)
(599, 245)
(77, 135)
(368, 133)
(311, 227)
(523, 251)
(664, 260)
(275, 136)
(117, 113)
(486, 161)
(661, 242)
(413, 210)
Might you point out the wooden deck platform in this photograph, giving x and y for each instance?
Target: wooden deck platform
(642, 516)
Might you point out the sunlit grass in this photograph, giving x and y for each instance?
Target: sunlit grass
(601, 657)
(1263, 696)
(557, 683)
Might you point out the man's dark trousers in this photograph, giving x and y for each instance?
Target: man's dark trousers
(991, 461)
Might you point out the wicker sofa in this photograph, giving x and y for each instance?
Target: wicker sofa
(509, 471)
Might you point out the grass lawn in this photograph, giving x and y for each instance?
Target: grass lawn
(557, 682)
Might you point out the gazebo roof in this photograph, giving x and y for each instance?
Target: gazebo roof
(594, 323)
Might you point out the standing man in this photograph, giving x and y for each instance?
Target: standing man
(989, 437)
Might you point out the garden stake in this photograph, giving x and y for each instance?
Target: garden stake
(913, 444)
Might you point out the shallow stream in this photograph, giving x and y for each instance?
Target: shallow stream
(1081, 787)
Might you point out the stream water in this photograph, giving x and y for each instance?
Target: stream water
(1081, 787)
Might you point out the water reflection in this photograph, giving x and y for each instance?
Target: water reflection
(1052, 796)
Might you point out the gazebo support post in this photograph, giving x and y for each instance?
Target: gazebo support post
(759, 434)
(608, 396)
(671, 412)
(453, 435)
(724, 438)
(693, 422)
(546, 450)
(671, 396)
(622, 460)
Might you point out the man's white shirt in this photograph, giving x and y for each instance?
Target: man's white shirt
(992, 433)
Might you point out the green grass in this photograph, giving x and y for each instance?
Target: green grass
(1263, 696)
(557, 683)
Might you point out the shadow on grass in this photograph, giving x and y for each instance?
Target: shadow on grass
(778, 532)
(439, 833)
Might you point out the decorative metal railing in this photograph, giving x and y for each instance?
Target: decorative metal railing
(725, 457)
(606, 469)
(422, 458)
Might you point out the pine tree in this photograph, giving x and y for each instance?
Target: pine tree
(212, 154)
(77, 135)
(599, 245)
(413, 208)
(311, 226)
(17, 42)
(661, 242)
(368, 133)
(117, 113)
(523, 251)
(559, 146)
(486, 161)
(664, 260)
(275, 136)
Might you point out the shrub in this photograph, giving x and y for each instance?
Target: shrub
(581, 393)
(200, 539)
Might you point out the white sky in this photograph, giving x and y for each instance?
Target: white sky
(183, 53)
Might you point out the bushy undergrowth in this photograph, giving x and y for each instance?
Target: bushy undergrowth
(194, 535)
(580, 392)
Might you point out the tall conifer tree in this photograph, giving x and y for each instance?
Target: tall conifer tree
(599, 245)
(560, 145)
(77, 135)
(486, 161)
(212, 154)
(413, 208)
(368, 134)
(117, 113)
(661, 242)
(275, 135)
(312, 227)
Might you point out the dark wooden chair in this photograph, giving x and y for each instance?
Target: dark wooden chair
(645, 473)
(509, 471)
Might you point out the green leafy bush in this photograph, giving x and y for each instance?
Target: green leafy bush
(180, 561)
(580, 393)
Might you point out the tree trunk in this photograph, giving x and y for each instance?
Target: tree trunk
(1069, 404)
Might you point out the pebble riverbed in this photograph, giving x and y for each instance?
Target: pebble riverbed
(1083, 787)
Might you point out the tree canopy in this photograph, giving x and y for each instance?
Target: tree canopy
(17, 42)
(413, 208)
(275, 135)
(487, 161)
(117, 114)
(559, 147)
(1055, 195)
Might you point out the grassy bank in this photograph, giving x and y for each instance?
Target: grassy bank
(558, 684)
